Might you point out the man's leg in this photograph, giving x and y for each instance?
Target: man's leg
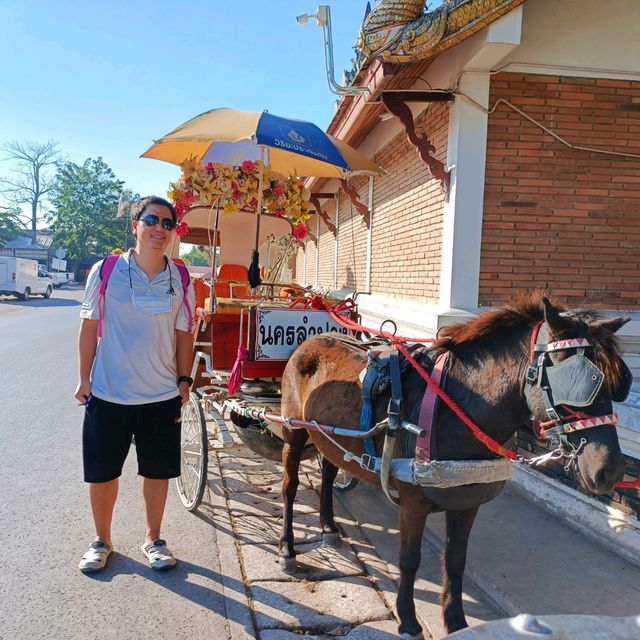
(154, 493)
(102, 496)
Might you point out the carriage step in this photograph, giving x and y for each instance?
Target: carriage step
(225, 437)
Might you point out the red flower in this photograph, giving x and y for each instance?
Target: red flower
(278, 191)
(188, 181)
(266, 192)
(211, 170)
(279, 213)
(300, 231)
(254, 203)
(182, 229)
(248, 167)
(236, 196)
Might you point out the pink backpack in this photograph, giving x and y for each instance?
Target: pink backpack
(106, 269)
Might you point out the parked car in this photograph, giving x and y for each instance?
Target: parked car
(23, 278)
(61, 277)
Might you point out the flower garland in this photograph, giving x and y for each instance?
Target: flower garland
(237, 188)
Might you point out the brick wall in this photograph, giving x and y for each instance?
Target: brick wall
(407, 228)
(555, 217)
(407, 222)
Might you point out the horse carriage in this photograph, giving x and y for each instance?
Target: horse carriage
(426, 422)
(243, 338)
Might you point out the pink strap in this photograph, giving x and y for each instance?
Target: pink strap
(186, 279)
(106, 269)
(427, 411)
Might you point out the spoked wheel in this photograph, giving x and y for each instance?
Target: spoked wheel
(195, 454)
(344, 481)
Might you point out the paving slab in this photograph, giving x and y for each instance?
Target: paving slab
(315, 562)
(330, 606)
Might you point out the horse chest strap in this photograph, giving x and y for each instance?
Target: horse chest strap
(428, 411)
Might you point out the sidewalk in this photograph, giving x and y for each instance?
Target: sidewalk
(521, 559)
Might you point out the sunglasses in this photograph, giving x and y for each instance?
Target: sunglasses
(152, 220)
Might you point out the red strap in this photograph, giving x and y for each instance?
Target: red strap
(428, 410)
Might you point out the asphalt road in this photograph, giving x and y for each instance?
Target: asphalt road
(45, 523)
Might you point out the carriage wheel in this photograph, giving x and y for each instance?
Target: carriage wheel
(195, 454)
(344, 481)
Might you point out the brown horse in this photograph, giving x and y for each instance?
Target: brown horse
(490, 361)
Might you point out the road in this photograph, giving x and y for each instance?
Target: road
(45, 523)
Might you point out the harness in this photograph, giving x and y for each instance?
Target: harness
(106, 269)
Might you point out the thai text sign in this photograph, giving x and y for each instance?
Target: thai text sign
(280, 331)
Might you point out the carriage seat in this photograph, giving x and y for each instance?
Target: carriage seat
(232, 281)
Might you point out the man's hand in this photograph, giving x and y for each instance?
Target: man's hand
(83, 391)
(183, 390)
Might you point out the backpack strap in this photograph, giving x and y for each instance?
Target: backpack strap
(106, 269)
(185, 279)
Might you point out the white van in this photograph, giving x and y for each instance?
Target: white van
(23, 278)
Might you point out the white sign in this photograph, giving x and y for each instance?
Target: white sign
(60, 253)
(280, 331)
(58, 265)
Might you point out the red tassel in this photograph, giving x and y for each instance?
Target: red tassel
(235, 380)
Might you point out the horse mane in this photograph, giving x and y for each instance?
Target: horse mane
(526, 311)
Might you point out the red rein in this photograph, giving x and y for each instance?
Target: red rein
(317, 302)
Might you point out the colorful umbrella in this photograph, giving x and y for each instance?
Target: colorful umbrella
(290, 147)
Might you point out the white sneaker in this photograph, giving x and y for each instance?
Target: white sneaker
(158, 555)
(96, 558)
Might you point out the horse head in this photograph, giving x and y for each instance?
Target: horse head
(575, 372)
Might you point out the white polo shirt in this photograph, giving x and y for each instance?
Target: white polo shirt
(135, 360)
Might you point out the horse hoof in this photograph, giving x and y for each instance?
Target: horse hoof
(331, 540)
(288, 565)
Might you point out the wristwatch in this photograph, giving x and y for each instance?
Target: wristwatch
(185, 379)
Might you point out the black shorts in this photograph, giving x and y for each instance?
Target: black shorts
(106, 437)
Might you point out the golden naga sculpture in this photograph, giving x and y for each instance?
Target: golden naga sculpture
(400, 30)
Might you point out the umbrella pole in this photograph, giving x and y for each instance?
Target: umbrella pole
(213, 255)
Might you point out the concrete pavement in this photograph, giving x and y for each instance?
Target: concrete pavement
(521, 559)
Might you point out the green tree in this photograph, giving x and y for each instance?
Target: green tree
(10, 225)
(85, 201)
(32, 178)
(196, 257)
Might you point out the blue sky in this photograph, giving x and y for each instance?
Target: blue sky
(106, 78)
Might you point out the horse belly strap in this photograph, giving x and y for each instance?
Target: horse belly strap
(428, 411)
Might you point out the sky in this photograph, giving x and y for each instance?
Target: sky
(106, 78)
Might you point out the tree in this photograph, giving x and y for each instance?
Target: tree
(197, 257)
(85, 201)
(10, 225)
(32, 182)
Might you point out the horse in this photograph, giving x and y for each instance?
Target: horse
(504, 369)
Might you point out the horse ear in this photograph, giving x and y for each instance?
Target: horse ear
(611, 325)
(553, 318)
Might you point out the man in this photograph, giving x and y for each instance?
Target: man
(135, 355)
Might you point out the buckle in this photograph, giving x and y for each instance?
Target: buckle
(367, 462)
(532, 374)
(553, 414)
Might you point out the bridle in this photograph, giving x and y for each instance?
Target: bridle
(572, 383)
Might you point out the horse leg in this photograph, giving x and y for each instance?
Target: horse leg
(459, 525)
(413, 516)
(294, 441)
(330, 534)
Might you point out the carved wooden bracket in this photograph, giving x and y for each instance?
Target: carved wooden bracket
(315, 201)
(353, 196)
(396, 103)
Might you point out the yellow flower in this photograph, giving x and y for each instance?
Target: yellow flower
(190, 166)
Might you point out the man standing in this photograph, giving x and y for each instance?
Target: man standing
(135, 355)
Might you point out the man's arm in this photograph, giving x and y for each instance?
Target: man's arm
(184, 360)
(87, 343)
